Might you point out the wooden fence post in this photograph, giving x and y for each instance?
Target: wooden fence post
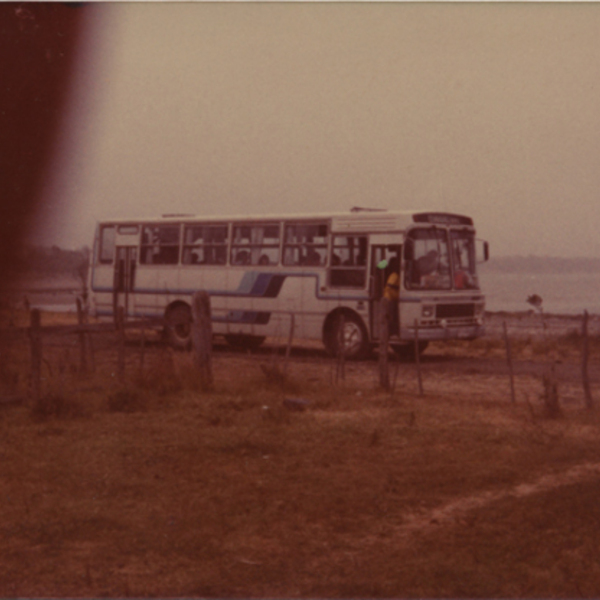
(418, 357)
(35, 335)
(340, 365)
(82, 339)
(384, 339)
(589, 401)
(92, 353)
(142, 348)
(121, 342)
(288, 348)
(202, 337)
(510, 364)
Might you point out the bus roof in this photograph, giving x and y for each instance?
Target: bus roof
(357, 220)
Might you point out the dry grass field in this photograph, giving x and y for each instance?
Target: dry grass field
(304, 485)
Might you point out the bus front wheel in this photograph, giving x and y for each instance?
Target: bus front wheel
(346, 333)
(178, 328)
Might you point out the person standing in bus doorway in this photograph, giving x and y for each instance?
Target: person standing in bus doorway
(392, 293)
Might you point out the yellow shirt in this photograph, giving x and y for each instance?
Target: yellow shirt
(392, 287)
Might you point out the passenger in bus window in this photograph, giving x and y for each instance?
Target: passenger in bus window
(426, 265)
(242, 258)
(264, 260)
(463, 280)
(220, 256)
(392, 293)
(460, 280)
(312, 257)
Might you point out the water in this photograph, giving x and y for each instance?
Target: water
(562, 293)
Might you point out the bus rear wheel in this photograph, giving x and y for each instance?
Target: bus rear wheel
(347, 334)
(246, 342)
(178, 328)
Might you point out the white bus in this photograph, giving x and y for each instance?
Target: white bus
(259, 271)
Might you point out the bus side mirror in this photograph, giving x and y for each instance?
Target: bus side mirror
(408, 252)
(482, 248)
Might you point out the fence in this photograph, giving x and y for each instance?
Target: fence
(83, 332)
(518, 327)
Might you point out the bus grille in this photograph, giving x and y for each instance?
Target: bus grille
(453, 311)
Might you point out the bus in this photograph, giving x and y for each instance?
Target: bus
(261, 270)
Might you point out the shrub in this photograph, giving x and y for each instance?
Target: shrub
(550, 397)
(126, 400)
(55, 406)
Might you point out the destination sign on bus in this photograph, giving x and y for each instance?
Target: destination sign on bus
(442, 219)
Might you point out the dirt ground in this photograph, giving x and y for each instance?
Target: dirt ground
(303, 478)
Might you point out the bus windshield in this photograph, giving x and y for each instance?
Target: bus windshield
(463, 257)
(428, 264)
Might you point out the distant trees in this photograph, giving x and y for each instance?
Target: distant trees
(542, 264)
(53, 261)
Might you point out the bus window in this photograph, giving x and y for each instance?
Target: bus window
(107, 244)
(160, 245)
(205, 245)
(348, 261)
(305, 244)
(255, 245)
(427, 260)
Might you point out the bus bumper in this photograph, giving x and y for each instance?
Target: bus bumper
(443, 332)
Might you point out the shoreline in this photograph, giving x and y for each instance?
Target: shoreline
(534, 325)
(531, 314)
(59, 294)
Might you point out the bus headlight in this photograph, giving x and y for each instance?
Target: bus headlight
(427, 311)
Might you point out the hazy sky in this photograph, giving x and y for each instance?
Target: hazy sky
(492, 110)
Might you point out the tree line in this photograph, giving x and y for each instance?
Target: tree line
(52, 261)
(541, 264)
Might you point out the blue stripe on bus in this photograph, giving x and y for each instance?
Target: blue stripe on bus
(248, 282)
(264, 285)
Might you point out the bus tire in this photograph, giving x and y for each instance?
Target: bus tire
(354, 335)
(246, 342)
(406, 352)
(178, 327)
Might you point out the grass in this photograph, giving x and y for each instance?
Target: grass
(545, 547)
(152, 487)
(526, 347)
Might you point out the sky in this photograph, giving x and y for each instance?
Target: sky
(486, 109)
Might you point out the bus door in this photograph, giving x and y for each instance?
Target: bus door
(384, 259)
(124, 279)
